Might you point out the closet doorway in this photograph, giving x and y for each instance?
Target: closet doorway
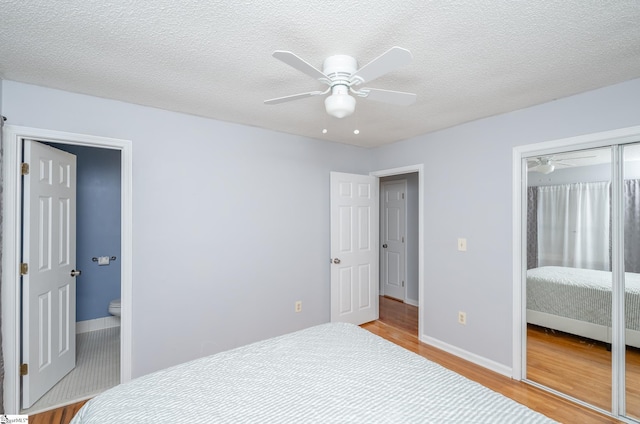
(577, 283)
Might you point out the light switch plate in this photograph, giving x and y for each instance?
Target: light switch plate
(462, 244)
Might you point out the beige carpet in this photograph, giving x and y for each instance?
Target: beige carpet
(97, 369)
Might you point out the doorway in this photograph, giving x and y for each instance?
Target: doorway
(12, 246)
(98, 235)
(414, 247)
(393, 234)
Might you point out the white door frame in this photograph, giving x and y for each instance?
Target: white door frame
(12, 246)
(419, 168)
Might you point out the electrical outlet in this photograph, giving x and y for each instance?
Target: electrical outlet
(462, 318)
(299, 306)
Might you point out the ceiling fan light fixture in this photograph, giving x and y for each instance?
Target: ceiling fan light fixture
(545, 168)
(341, 73)
(340, 104)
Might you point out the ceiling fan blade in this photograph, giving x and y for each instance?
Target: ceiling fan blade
(532, 164)
(575, 157)
(388, 96)
(301, 65)
(388, 61)
(292, 97)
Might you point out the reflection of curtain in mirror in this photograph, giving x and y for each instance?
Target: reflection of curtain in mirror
(532, 227)
(632, 225)
(573, 225)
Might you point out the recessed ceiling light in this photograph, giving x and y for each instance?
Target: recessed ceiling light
(324, 131)
(356, 132)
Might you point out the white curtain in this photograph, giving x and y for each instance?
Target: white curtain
(573, 225)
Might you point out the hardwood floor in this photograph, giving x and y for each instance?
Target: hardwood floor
(402, 333)
(549, 352)
(399, 314)
(398, 323)
(61, 415)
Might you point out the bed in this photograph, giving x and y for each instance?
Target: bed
(332, 373)
(578, 301)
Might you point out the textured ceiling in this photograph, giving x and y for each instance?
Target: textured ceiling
(471, 58)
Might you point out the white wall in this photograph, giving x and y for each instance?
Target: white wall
(230, 223)
(468, 194)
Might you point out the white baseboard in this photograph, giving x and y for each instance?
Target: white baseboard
(411, 302)
(408, 301)
(471, 357)
(97, 324)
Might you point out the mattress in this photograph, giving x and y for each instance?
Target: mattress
(332, 373)
(581, 294)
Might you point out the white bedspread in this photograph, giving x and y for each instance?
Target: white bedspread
(581, 294)
(332, 373)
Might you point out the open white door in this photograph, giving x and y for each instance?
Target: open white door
(354, 248)
(393, 252)
(48, 286)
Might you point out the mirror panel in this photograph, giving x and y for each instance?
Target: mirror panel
(631, 209)
(569, 283)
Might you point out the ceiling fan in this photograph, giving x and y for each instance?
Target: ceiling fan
(547, 164)
(342, 75)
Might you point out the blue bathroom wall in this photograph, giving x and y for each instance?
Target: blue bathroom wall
(97, 229)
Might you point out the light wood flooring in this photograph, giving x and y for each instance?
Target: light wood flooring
(62, 415)
(558, 360)
(398, 323)
(394, 325)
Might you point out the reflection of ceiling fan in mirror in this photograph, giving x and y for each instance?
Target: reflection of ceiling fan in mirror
(547, 164)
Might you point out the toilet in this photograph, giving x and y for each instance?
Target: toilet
(114, 307)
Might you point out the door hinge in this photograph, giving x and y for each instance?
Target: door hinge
(24, 268)
(24, 369)
(403, 195)
(403, 283)
(24, 168)
(403, 239)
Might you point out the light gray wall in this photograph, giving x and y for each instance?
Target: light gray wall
(468, 193)
(230, 222)
(412, 233)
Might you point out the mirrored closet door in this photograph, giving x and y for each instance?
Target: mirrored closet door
(568, 278)
(582, 278)
(631, 281)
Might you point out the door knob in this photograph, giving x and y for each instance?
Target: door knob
(75, 272)
(336, 261)
(384, 245)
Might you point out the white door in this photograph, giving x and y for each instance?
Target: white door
(393, 267)
(354, 248)
(48, 287)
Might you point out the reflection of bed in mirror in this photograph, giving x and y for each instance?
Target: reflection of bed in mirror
(578, 301)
